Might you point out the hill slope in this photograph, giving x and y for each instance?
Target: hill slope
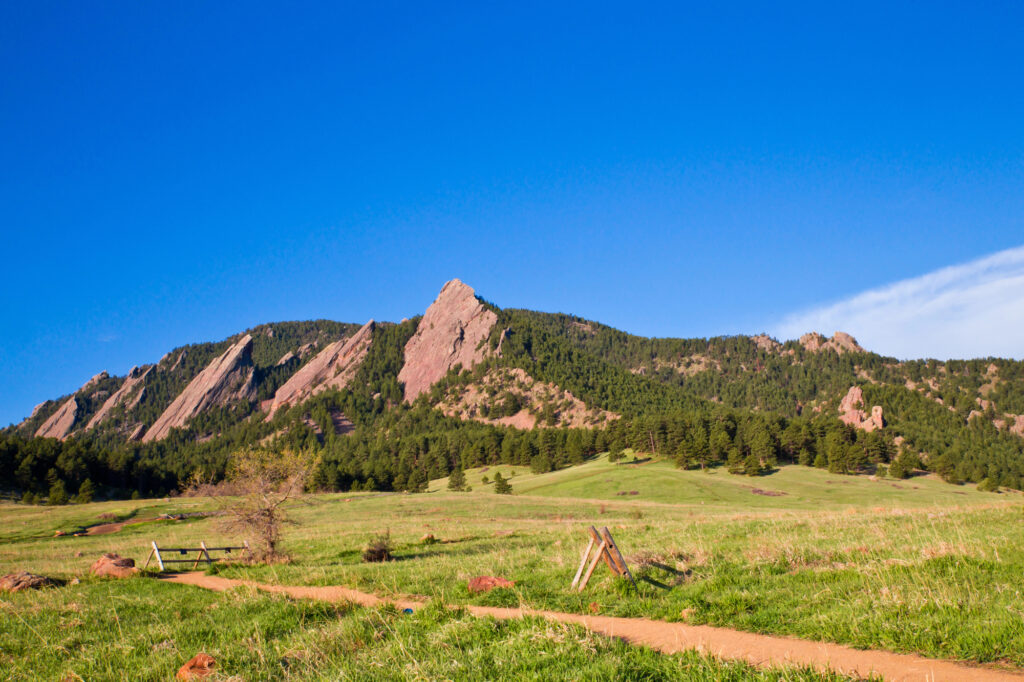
(391, 406)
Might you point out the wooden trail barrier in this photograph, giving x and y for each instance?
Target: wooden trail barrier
(202, 554)
(607, 550)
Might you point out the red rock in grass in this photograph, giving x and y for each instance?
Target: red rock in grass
(199, 665)
(114, 566)
(486, 583)
(23, 580)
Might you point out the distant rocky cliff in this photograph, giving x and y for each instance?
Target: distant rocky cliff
(227, 379)
(333, 367)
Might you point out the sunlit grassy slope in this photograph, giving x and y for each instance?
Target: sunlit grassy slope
(790, 487)
(916, 565)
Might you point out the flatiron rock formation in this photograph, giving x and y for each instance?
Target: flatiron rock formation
(333, 367)
(60, 422)
(449, 334)
(841, 342)
(850, 414)
(227, 379)
(130, 393)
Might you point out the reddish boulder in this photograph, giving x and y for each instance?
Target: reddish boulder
(199, 665)
(114, 566)
(486, 583)
(23, 580)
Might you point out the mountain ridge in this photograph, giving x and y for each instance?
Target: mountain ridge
(467, 369)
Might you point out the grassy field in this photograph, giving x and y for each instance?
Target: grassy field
(911, 566)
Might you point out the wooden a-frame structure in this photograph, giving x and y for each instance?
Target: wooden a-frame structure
(607, 550)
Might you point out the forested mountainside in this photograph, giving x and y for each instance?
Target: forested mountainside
(389, 406)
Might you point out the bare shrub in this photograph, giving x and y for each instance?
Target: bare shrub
(379, 548)
(254, 496)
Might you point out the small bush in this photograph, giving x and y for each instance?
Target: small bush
(379, 549)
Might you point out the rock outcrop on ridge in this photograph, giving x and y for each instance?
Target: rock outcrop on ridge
(333, 367)
(841, 342)
(850, 414)
(227, 379)
(60, 423)
(129, 393)
(450, 333)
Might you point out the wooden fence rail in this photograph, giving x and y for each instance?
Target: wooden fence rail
(202, 554)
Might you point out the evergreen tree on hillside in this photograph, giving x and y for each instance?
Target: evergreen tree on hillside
(501, 486)
(457, 480)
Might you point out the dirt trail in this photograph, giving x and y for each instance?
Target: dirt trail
(760, 650)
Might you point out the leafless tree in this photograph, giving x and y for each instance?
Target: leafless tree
(255, 494)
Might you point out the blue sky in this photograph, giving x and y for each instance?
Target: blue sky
(176, 173)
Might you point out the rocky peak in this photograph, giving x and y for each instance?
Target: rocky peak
(129, 393)
(60, 422)
(846, 342)
(841, 342)
(765, 343)
(333, 367)
(449, 334)
(226, 379)
(94, 381)
(849, 413)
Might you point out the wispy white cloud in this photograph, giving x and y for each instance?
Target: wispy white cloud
(963, 311)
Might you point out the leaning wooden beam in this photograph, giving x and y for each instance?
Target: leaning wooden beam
(159, 559)
(593, 564)
(616, 555)
(607, 559)
(583, 563)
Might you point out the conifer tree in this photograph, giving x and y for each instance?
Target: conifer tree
(501, 486)
(457, 480)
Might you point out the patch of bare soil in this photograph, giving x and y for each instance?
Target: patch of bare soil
(759, 650)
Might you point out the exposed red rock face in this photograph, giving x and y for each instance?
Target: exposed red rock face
(23, 580)
(846, 342)
(227, 379)
(130, 393)
(200, 665)
(449, 334)
(850, 414)
(60, 422)
(841, 342)
(486, 583)
(765, 342)
(114, 566)
(333, 367)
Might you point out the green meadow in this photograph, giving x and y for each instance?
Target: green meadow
(915, 566)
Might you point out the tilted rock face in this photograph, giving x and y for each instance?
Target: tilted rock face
(448, 335)
(333, 367)
(841, 342)
(850, 414)
(60, 422)
(129, 393)
(227, 379)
